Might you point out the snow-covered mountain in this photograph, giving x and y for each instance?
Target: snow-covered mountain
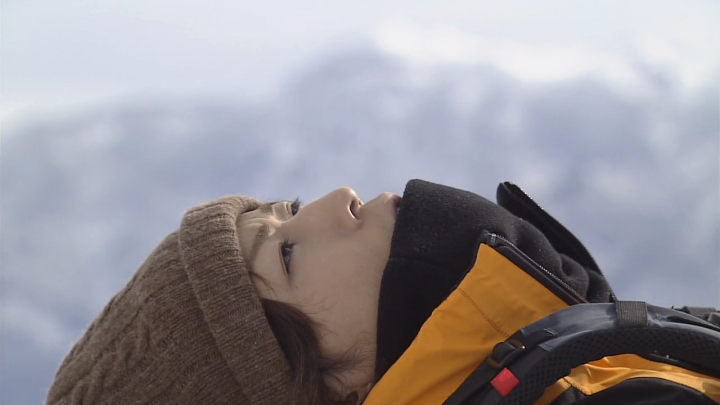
(635, 174)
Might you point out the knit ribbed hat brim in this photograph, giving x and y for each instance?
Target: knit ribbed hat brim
(188, 328)
(210, 250)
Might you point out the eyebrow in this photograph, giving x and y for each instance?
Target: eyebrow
(266, 208)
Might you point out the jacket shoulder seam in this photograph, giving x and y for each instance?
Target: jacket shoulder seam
(481, 312)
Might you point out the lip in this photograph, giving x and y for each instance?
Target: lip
(397, 202)
(386, 204)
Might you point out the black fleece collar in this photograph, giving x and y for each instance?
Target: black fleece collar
(436, 236)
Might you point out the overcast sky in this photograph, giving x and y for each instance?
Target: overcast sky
(63, 55)
(119, 115)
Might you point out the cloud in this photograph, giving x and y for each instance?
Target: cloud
(531, 63)
(692, 66)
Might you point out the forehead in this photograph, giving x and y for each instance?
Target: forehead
(248, 224)
(263, 211)
(251, 222)
(254, 228)
(264, 208)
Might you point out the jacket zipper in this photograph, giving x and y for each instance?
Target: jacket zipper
(592, 263)
(567, 293)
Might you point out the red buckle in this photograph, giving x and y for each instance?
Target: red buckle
(504, 382)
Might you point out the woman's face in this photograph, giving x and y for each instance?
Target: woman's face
(327, 259)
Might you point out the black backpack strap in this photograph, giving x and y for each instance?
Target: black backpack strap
(539, 354)
(709, 314)
(503, 354)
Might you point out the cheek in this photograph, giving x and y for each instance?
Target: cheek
(339, 287)
(334, 267)
(338, 273)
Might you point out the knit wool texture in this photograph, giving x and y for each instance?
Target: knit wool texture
(188, 328)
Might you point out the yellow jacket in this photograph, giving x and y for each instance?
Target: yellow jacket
(494, 300)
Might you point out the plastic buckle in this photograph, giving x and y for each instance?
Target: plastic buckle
(505, 353)
(714, 318)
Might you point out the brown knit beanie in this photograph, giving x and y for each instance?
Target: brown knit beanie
(187, 329)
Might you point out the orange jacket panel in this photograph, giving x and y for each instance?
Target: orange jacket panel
(494, 300)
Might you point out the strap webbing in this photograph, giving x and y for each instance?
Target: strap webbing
(631, 314)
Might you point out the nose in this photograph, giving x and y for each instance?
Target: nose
(349, 197)
(347, 193)
(341, 205)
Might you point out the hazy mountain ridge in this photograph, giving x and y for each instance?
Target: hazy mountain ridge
(86, 198)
